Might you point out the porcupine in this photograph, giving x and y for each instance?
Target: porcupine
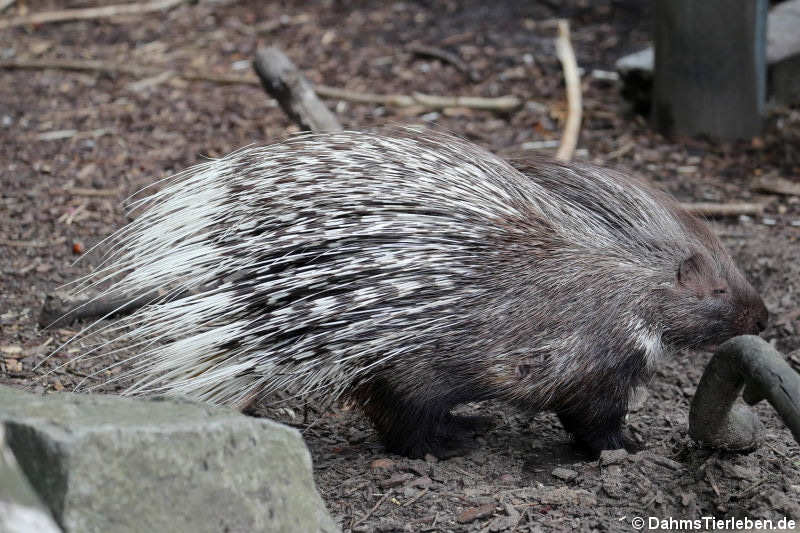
(414, 272)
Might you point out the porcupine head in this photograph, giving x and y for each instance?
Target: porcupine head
(631, 274)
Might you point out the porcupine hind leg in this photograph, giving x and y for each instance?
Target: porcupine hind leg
(596, 430)
(411, 424)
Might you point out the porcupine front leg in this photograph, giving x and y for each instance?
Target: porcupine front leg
(597, 417)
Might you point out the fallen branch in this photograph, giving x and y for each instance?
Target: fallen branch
(501, 103)
(776, 185)
(24, 244)
(58, 311)
(272, 25)
(572, 126)
(723, 210)
(622, 150)
(750, 363)
(85, 191)
(445, 56)
(295, 94)
(58, 135)
(89, 13)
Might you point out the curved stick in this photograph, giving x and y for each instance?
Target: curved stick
(572, 80)
(751, 363)
(58, 312)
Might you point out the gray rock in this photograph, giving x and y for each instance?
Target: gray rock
(110, 464)
(642, 60)
(21, 511)
(783, 39)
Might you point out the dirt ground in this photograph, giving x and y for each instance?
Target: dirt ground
(74, 145)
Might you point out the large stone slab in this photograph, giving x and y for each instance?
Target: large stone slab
(21, 511)
(110, 464)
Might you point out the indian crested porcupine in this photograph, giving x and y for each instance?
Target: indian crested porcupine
(415, 272)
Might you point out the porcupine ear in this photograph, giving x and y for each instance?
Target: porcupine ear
(689, 271)
(696, 274)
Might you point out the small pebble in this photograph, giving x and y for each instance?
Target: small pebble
(12, 349)
(612, 457)
(421, 482)
(382, 464)
(564, 473)
(395, 480)
(666, 462)
(474, 513)
(357, 436)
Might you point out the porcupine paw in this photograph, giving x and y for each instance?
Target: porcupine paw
(455, 434)
(596, 442)
(441, 441)
(470, 424)
(440, 447)
(441, 436)
(594, 437)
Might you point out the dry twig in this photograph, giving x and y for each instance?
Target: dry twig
(58, 311)
(11, 243)
(777, 185)
(284, 82)
(85, 191)
(501, 103)
(572, 126)
(445, 56)
(89, 13)
(724, 210)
